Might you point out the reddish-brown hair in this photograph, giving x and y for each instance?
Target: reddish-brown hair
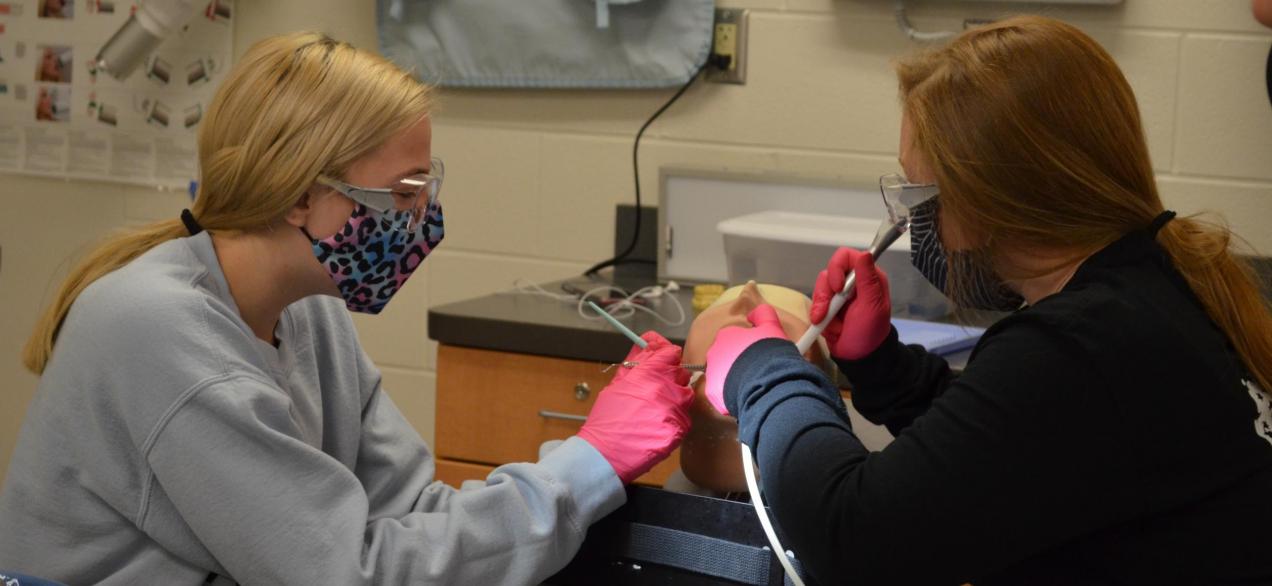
(1035, 138)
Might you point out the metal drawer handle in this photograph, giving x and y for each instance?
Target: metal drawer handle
(558, 415)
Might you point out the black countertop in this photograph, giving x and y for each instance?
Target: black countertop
(535, 324)
(529, 323)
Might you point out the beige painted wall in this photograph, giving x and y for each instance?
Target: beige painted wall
(533, 176)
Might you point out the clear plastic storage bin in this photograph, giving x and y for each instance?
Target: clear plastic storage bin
(790, 248)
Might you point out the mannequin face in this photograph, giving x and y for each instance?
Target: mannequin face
(793, 315)
(709, 454)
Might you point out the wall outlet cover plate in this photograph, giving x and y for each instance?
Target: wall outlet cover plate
(729, 39)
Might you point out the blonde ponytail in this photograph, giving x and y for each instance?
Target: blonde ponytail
(295, 106)
(1227, 288)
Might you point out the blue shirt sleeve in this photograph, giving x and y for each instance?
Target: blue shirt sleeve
(772, 388)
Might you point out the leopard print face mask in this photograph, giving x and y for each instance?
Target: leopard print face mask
(370, 261)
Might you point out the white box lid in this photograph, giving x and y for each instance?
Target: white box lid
(803, 228)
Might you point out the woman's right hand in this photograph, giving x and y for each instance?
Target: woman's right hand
(864, 322)
(641, 416)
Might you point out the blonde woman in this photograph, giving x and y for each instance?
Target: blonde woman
(1116, 429)
(205, 412)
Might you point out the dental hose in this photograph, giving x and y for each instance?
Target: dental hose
(887, 234)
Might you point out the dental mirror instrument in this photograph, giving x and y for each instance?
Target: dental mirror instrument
(622, 329)
(697, 369)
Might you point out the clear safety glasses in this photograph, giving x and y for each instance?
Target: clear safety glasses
(901, 197)
(414, 195)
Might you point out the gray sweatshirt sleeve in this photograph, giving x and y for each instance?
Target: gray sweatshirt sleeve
(274, 510)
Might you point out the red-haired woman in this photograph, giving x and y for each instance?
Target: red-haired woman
(1114, 429)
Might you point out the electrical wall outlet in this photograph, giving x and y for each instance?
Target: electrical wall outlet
(727, 63)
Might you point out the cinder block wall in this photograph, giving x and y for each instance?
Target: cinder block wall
(533, 177)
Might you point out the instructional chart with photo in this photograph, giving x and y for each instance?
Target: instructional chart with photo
(61, 117)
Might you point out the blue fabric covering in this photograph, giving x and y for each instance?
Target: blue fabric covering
(11, 579)
(607, 44)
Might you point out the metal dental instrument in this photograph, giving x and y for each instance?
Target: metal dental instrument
(900, 197)
(888, 233)
(696, 368)
(689, 367)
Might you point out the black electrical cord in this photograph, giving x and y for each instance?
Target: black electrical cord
(621, 257)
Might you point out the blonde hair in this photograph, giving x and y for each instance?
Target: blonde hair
(1035, 138)
(295, 106)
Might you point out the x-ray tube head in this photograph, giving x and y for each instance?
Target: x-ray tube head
(145, 29)
(127, 49)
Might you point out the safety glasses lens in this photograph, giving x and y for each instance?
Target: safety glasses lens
(900, 196)
(415, 195)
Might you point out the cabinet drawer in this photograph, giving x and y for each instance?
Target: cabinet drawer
(455, 473)
(498, 407)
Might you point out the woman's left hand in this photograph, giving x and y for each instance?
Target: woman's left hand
(730, 342)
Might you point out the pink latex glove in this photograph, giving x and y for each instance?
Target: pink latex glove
(640, 417)
(729, 344)
(864, 322)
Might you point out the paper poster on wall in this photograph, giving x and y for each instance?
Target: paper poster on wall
(60, 117)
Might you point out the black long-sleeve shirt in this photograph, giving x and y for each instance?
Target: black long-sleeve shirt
(1106, 435)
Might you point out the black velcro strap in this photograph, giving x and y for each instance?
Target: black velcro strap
(700, 554)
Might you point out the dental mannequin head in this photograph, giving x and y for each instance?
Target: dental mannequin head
(709, 455)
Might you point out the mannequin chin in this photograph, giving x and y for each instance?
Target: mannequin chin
(710, 454)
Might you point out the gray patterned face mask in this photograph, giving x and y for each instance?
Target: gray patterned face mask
(980, 287)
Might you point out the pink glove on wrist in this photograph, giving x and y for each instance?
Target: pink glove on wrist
(640, 417)
(730, 342)
(864, 322)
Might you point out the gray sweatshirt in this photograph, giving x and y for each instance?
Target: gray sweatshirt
(166, 442)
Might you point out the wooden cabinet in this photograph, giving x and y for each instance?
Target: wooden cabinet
(498, 407)
(454, 472)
